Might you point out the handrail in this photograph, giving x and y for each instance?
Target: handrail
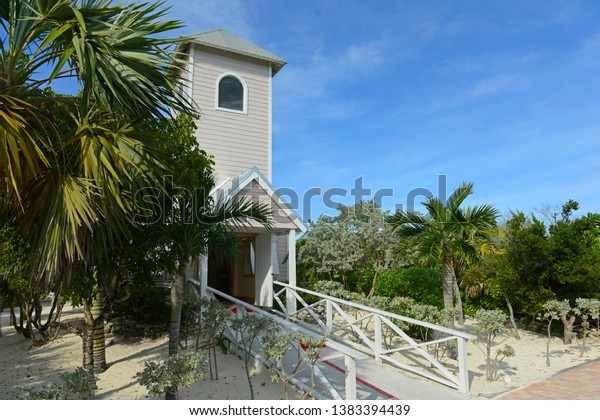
(370, 339)
(350, 355)
(356, 355)
(440, 328)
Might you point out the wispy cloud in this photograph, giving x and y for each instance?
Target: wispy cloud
(492, 85)
(316, 74)
(234, 15)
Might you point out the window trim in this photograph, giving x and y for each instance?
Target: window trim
(244, 101)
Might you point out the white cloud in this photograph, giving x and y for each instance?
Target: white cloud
(492, 85)
(203, 15)
(315, 74)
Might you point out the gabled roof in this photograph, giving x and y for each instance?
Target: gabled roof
(232, 186)
(227, 41)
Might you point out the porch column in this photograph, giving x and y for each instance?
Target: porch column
(291, 304)
(203, 273)
(264, 270)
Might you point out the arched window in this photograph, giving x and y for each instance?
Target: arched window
(231, 94)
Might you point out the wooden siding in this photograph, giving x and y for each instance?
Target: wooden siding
(256, 193)
(237, 141)
(282, 252)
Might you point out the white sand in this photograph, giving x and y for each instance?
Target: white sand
(529, 363)
(22, 365)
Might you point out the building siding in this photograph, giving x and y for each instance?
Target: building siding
(236, 141)
(257, 194)
(282, 253)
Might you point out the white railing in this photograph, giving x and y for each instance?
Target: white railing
(323, 388)
(378, 334)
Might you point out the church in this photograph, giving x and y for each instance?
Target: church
(230, 81)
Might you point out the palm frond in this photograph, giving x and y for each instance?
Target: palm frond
(459, 195)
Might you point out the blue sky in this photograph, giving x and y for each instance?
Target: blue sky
(504, 94)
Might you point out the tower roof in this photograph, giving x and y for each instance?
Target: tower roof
(227, 41)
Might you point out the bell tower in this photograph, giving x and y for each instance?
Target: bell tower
(231, 82)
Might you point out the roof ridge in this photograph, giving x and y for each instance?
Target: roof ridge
(228, 41)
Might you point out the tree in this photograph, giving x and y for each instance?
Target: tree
(493, 273)
(330, 249)
(355, 242)
(490, 323)
(70, 165)
(182, 218)
(69, 180)
(449, 234)
(247, 330)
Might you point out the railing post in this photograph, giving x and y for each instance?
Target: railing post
(350, 377)
(290, 297)
(329, 316)
(291, 305)
(378, 343)
(463, 371)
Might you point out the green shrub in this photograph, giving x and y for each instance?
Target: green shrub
(424, 285)
(147, 303)
(177, 370)
(79, 384)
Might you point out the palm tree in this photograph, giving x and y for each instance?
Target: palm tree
(449, 235)
(68, 179)
(210, 225)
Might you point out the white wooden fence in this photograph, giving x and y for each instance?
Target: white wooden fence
(378, 334)
(324, 389)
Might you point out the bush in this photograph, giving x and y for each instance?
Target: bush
(79, 384)
(490, 324)
(177, 370)
(147, 303)
(424, 285)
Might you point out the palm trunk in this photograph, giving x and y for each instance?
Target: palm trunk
(448, 288)
(458, 302)
(175, 323)
(88, 337)
(99, 345)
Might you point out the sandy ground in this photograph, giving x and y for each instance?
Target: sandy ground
(22, 365)
(529, 363)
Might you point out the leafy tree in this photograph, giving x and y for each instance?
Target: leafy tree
(70, 180)
(275, 345)
(329, 249)
(449, 235)
(177, 370)
(574, 255)
(490, 324)
(365, 221)
(19, 294)
(554, 310)
(558, 262)
(492, 273)
(213, 317)
(356, 242)
(588, 309)
(248, 329)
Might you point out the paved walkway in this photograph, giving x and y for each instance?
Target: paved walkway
(580, 383)
(383, 382)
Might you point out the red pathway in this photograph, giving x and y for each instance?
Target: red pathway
(581, 383)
